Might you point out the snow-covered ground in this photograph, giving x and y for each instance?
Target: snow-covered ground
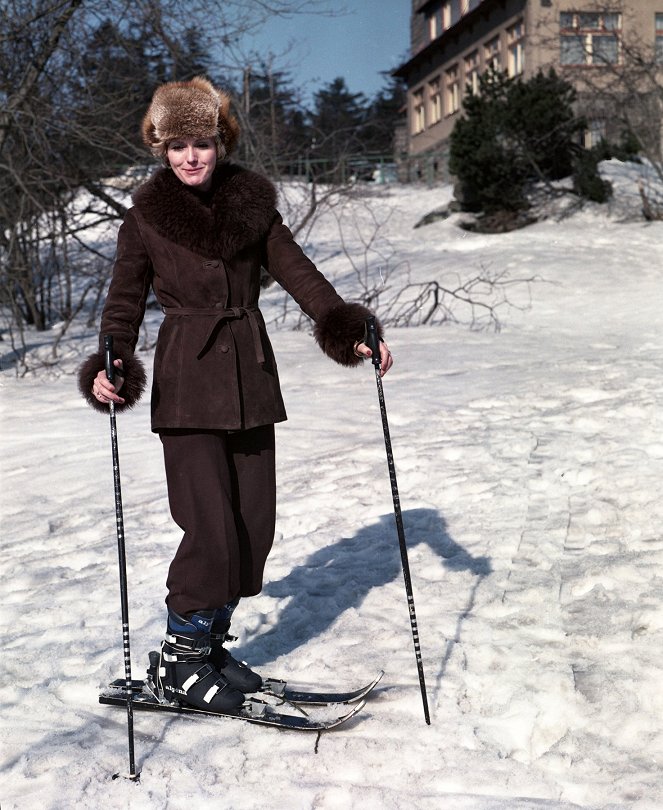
(529, 463)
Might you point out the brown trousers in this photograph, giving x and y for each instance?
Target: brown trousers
(222, 493)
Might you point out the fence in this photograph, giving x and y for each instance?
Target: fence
(429, 168)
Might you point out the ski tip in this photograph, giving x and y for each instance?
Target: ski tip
(356, 708)
(371, 686)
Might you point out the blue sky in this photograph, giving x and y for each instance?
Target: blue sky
(372, 35)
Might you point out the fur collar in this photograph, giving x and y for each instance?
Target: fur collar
(240, 215)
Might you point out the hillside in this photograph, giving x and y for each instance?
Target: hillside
(529, 461)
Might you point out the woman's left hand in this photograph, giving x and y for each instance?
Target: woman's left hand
(386, 360)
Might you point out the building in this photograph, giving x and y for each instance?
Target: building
(454, 41)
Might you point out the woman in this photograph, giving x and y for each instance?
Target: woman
(198, 234)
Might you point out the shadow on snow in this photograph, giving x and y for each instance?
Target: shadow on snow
(339, 577)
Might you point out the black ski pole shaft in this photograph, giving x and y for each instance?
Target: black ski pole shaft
(122, 558)
(373, 342)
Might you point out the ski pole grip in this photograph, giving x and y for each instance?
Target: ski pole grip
(372, 340)
(108, 357)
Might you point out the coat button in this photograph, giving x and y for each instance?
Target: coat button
(211, 264)
(223, 348)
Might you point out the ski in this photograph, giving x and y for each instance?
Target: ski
(279, 689)
(252, 711)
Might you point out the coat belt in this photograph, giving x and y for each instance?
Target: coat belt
(220, 315)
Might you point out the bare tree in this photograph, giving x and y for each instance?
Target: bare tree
(379, 278)
(75, 79)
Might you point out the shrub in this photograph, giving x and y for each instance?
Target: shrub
(587, 182)
(512, 133)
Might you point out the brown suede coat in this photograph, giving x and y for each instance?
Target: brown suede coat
(214, 367)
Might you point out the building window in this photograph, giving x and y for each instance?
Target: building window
(455, 11)
(491, 54)
(659, 38)
(434, 22)
(472, 73)
(445, 13)
(595, 133)
(434, 101)
(514, 49)
(589, 38)
(452, 84)
(418, 112)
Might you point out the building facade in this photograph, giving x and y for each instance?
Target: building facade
(454, 41)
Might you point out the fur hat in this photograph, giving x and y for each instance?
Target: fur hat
(193, 109)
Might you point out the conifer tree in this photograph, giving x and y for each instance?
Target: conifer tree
(338, 119)
(385, 111)
(274, 131)
(514, 132)
(482, 154)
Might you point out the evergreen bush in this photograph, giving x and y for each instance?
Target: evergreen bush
(514, 133)
(587, 182)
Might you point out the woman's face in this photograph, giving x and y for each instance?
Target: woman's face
(193, 160)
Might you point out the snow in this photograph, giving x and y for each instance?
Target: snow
(529, 463)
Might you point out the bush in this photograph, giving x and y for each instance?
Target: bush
(512, 133)
(587, 182)
(627, 149)
(481, 155)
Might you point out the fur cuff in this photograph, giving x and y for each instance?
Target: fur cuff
(338, 329)
(133, 371)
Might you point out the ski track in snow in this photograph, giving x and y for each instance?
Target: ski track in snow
(529, 465)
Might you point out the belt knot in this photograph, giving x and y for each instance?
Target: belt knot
(222, 314)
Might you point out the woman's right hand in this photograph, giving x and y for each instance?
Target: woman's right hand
(105, 391)
(362, 350)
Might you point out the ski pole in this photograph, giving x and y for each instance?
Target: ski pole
(372, 340)
(122, 560)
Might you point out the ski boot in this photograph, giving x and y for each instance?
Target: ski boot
(237, 673)
(185, 673)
